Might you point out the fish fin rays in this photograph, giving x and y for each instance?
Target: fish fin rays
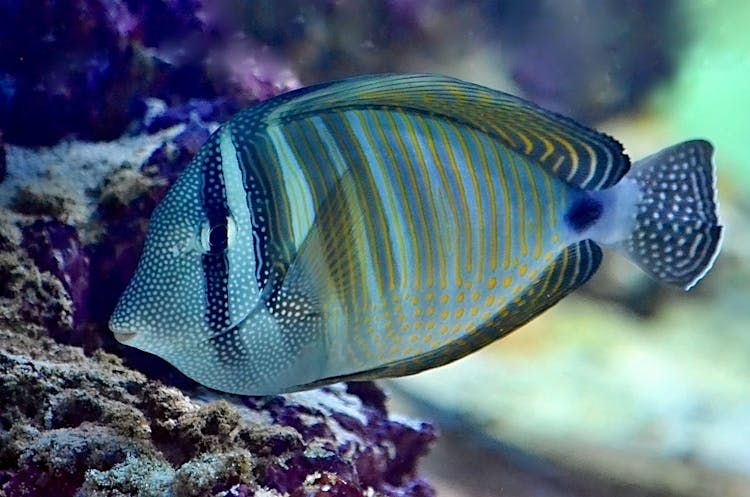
(326, 259)
(571, 269)
(575, 153)
(677, 232)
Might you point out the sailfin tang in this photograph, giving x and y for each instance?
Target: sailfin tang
(579, 155)
(677, 235)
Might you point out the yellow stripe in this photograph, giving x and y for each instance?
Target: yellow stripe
(549, 149)
(436, 251)
(519, 125)
(520, 200)
(574, 162)
(301, 206)
(489, 182)
(469, 262)
(464, 220)
(372, 209)
(539, 137)
(498, 130)
(535, 193)
(401, 242)
(508, 221)
(411, 226)
(447, 198)
(561, 278)
(350, 253)
(302, 148)
(551, 203)
(390, 268)
(528, 145)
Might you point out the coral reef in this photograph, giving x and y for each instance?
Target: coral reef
(82, 425)
(88, 68)
(73, 217)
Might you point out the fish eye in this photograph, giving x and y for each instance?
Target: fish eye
(217, 237)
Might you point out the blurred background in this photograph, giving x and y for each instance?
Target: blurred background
(625, 388)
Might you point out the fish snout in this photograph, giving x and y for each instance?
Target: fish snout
(124, 336)
(122, 333)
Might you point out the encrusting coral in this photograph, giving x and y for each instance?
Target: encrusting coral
(73, 424)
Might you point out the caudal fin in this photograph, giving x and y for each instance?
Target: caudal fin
(677, 235)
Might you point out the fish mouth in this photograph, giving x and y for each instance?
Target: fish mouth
(124, 336)
(121, 334)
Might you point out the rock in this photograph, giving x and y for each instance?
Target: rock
(30, 298)
(83, 425)
(3, 160)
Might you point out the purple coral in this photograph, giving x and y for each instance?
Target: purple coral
(56, 247)
(381, 455)
(137, 433)
(86, 68)
(66, 66)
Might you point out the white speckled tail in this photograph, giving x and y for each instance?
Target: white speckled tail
(676, 235)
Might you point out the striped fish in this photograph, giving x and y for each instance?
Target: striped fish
(383, 225)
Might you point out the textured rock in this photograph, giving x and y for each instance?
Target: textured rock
(82, 425)
(29, 297)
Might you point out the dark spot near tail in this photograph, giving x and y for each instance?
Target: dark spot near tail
(584, 212)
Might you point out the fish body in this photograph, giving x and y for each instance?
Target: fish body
(383, 225)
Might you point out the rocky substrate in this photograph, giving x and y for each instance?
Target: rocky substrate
(78, 425)
(82, 416)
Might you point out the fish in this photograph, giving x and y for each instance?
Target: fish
(382, 225)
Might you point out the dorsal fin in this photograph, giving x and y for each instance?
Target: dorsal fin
(571, 269)
(579, 155)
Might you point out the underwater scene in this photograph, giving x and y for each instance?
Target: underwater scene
(382, 248)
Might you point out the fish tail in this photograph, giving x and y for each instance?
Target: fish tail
(676, 234)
